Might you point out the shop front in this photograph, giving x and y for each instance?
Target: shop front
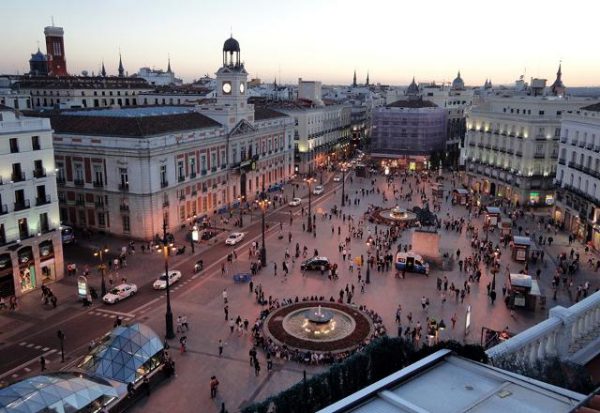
(7, 282)
(595, 241)
(47, 265)
(27, 275)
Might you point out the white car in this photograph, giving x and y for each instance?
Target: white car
(161, 282)
(318, 190)
(295, 202)
(119, 292)
(234, 238)
(337, 178)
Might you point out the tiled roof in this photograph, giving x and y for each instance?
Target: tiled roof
(594, 108)
(261, 113)
(82, 82)
(133, 127)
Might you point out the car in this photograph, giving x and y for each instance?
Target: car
(337, 178)
(295, 202)
(161, 282)
(67, 235)
(318, 190)
(234, 238)
(119, 293)
(315, 263)
(411, 262)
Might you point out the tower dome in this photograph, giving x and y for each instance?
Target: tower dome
(458, 83)
(231, 45)
(412, 89)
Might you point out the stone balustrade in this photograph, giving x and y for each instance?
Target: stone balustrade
(566, 333)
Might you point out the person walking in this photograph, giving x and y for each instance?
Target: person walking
(256, 367)
(214, 386)
(220, 347)
(43, 363)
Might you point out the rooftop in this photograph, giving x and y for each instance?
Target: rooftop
(262, 113)
(594, 108)
(130, 122)
(459, 385)
(412, 104)
(81, 82)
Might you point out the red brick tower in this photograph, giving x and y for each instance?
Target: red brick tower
(55, 49)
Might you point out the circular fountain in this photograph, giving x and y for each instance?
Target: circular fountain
(324, 327)
(394, 216)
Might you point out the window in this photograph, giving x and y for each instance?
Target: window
(193, 166)
(541, 113)
(14, 145)
(163, 175)
(213, 160)
(101, 219)
(35, 143)
(124, 183)
(98, 175)
(60, 172)
(44, 226)
(126, 224)
(78, 172)
(223, 158)
(203, 163)
(180, 171)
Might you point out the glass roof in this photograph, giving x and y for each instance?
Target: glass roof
(54, 392)
(122, 352)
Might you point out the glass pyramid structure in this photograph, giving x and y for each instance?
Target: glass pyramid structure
(56, 393)
(125, 355)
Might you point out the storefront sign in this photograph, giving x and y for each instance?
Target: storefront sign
(549, 200)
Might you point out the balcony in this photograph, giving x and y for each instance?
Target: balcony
(471, 143)
(192, 175)
(124, 186)
(17, 176)
(582, 194)
(98, 184)
(203, 172)
(540, 138)
(3, 209)
(519, 154)
(589, 146)
(99, 205)
(563, 140)
(581, 144)
(39, 173)
(80, 202)
(78, 182)
(42, 200)
(60, 180)
(194, 192)
(213, 169)
(562, 161)
(224, 166)
(24, 204)
(182, 197)
(164, 184)
(124, 208)
(181, 178)
(596, 148)
(539, 155)
(574, 142)
(165, 203)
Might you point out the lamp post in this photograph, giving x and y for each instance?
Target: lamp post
(194, 238)
(309, 181)
(343, 185)
(100, 254)
(263, 203)
(169, 333)
(61, 338)
(241, 199)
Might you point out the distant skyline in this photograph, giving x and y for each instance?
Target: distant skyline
(322, 40)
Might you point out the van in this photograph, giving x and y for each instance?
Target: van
(411, 262)
(68, 236)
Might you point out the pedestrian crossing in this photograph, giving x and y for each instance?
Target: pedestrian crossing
(100, 313)
(35, 346)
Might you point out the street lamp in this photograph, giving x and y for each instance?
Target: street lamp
(169, 314)
(194, 238)
(241, 200)
(309, 181)
(61, 337)
(263, 203)
(100, 254)
(343, 185)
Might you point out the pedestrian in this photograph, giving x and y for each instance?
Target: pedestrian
(251, 286)
(183, 342)
(214, 386)
(252, 354)
(226, 311)
(256, 367)
(43, 363)
(453, 319)
(220, 347)
(224, 295)
(231, 325)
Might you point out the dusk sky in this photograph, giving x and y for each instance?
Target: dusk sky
(317, 40)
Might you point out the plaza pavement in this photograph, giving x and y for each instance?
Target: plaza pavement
(202, 302)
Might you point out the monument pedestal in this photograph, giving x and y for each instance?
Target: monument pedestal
(426, 243)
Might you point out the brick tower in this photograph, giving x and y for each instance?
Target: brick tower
(55, 49)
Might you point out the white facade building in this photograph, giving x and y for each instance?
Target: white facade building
(157, 77)
(30, 238)
(511, 146)
(578, 175)
(125, 170)
(15, 100)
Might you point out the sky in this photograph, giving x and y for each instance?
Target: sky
(322, 40)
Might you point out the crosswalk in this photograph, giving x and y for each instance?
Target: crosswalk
(35, 346)
(102, 313)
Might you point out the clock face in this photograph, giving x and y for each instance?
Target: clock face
(226, 87)
(242, 88)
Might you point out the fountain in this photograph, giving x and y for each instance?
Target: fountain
(394, 216)
(324, 327)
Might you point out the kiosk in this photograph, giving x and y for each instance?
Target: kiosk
(461, 196)
(523, 291)
(520, 248)
(437, 190)
(492, 215)
(505, 226)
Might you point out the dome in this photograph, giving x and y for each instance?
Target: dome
(412, 89)
(231, 45)
(38, 57)
(458, 83)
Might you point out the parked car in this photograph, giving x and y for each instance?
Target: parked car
(161, 282)
(337, 178)
(119, 293)
(315, 263)
(234, 238)
(68, 236)
(411, 262)
(295, 202)
(318, 190)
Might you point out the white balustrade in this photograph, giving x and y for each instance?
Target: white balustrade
(560, 334)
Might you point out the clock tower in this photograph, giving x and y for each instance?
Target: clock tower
(231, 85)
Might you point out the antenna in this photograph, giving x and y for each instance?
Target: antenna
(38, 44)
(52, 20)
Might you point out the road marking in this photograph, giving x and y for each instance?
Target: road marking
(137, 310)
(46, 349)
(22, 343)
(38, 347)
(101, 310)
(14, 376)
(30, 345)
(27, 363)
(27, 369)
